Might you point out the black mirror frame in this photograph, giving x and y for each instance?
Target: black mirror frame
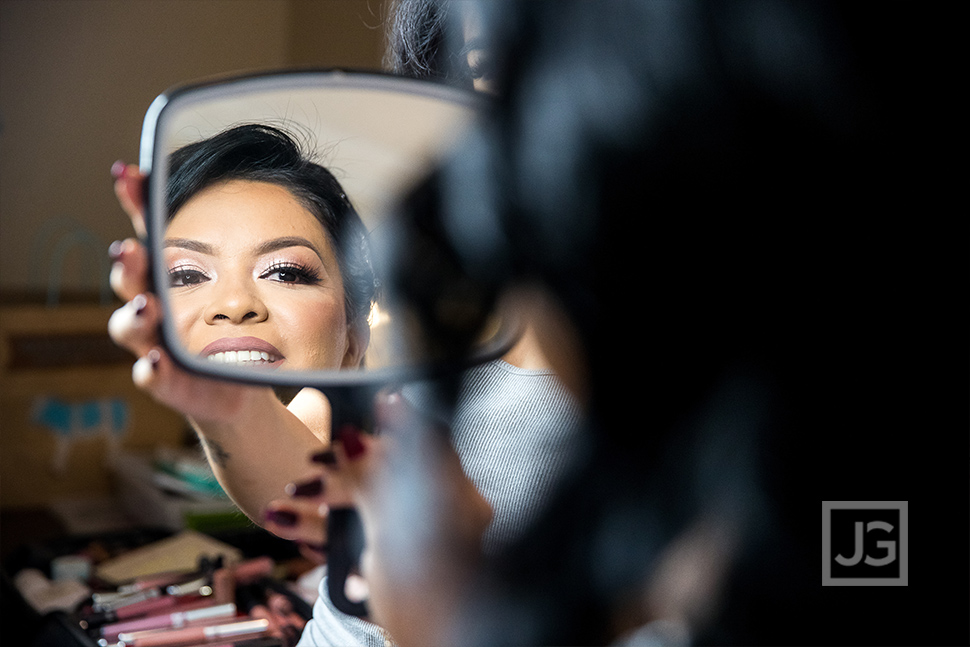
(151, 161)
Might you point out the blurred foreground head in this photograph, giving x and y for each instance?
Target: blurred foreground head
(702, 189)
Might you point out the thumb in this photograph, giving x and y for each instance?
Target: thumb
(130, 190)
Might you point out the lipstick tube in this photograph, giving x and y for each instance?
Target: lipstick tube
(145, 607)
(193, 635)
(169, 620)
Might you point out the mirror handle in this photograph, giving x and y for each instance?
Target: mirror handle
(345, 540)
(345, 530)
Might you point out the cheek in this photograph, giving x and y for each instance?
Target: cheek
(187, 315)
(316, 330)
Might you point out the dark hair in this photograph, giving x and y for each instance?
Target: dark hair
(424, 41)
(769, 329)
(262, 153)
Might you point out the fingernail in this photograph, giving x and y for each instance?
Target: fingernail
(281, 517)
(326, 457)
(139, 303)
(309, 488)
(118, 169)
(350, 437)
(154, 357)
(115, 250)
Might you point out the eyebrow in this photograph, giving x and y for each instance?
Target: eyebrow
(265, 247)
(191, 245)
(287, 241)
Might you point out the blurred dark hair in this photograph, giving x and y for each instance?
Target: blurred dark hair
(262, 153)
(725, 169)
(425, 41)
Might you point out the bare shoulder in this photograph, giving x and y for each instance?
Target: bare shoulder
(313, 409)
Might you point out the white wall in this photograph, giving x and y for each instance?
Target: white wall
(76, 77)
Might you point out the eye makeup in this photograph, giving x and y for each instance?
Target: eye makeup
(184, 275)
(291, 272)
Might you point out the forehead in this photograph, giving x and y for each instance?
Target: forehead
(237, 208)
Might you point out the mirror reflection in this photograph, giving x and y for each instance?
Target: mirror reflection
(268, 197)
(268, 261)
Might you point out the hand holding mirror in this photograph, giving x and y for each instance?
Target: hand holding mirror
(273, 221)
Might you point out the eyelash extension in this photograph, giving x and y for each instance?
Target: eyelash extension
(303, 273)
(182, 272)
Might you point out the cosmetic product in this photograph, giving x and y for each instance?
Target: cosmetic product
(253, 569)
(71, 567)
(192, 635)
(158, 580)
(223, 585)
(141, 608)
(262, 600)
(199, 586)
(45, 595)
(263, 641)
(169, 620)
(115, 601)
(283, 608)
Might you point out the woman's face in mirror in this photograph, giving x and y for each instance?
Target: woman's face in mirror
(255, 281)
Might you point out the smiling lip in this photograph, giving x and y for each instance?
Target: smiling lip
(243, 351)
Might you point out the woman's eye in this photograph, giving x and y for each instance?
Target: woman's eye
(291, 274)
(181, 278)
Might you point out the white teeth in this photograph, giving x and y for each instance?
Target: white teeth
(242, 357)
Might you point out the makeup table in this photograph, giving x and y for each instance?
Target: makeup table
(52, 596)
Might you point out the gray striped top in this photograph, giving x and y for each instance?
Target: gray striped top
(516, 433)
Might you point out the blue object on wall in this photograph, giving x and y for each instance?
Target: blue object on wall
(70, 421)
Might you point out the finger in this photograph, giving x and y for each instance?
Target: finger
(338, 484)
(345, 475)
(309, 488)
(202, 399)
(144, 372)
(390, 410)
(297, 520)
(129, 268)
(130, 190)
(313, 553)
(134, 326)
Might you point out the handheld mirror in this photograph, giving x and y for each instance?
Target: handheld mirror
(273, 201)
(261, 273)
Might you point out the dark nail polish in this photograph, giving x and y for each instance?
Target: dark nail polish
(282, 517)
(350, 437)
(326, 457)
(306, 489)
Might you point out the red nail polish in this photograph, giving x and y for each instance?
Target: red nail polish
(350, 437)
(281, 517)
(326, 457)
(307, 489)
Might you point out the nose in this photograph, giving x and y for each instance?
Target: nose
(236, 302)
